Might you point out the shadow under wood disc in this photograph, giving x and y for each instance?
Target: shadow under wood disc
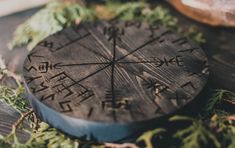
(108, 80)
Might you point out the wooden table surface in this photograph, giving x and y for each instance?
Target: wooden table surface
(219, 49)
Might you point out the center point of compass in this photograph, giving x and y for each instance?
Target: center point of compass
(113, 62)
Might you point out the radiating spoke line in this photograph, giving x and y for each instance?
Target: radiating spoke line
(82, 64)
(95, 52)
(141, 46)
(133, 62)
(70, 42)
(112, 72)
(96, 38)
(77, 82)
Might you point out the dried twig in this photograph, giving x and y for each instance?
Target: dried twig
(21, 119)
(229, 101)
(125, 145)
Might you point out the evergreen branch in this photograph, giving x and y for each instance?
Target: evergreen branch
(58, 15)
(141, 11)
(218, 96)
(53, 18)
(195, 135)
(46, 136)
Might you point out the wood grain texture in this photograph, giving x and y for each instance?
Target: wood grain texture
(115, 71)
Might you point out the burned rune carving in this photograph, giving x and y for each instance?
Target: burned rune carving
(115, 71)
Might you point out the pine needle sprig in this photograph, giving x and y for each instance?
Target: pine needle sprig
(46, 136)
(131, 11)
(195, 135)
(142, 11)
(218, 96)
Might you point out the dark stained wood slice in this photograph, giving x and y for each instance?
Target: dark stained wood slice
(114, 72)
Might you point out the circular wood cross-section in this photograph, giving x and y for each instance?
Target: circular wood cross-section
(110, 75)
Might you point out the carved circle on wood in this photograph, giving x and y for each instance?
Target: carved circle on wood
(112, 73)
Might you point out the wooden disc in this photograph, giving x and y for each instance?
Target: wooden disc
(112, 74)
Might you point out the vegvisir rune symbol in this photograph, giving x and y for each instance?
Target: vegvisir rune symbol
(115, 72)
